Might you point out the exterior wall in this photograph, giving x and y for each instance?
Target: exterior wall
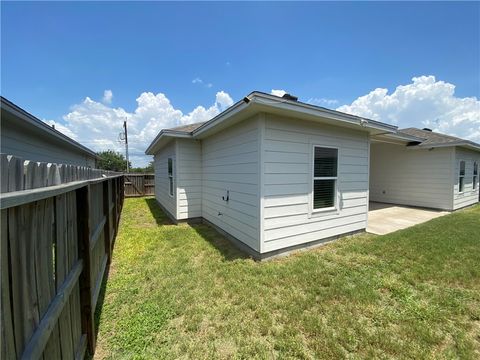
(287, 175)
(189, 178)
(160, 163)
(27, 145)
(413, 177)
(469, 196)
(230, 162)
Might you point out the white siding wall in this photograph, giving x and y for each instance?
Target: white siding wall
(414, 177)
(287, 182)
(30, 146)
(230, 162)
(189, 178)
(162, 193)
(469, 196)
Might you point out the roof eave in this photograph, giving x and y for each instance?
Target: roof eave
(18, 112)
(317, 111)
(232, 110)
(465, 144)
(165, 133)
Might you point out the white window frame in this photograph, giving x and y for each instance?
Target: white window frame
(460, 176)
(313, 178)
(171, 183)
(475, 176)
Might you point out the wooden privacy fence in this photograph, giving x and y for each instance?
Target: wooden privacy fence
(58, 225)
(139, 185)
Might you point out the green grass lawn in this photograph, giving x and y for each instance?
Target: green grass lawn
(184, 292)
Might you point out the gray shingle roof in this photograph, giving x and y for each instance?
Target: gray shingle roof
(188, 128)
(431, 137)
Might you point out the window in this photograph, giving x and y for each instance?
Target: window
(461, 177)
(475, 175)
(170, 176)
(325, 165)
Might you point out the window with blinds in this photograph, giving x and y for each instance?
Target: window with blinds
(324, 177)
(170, 176)
(461, 177)
(475, 175)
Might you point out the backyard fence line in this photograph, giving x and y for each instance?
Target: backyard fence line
(139, 185)
(17, 174)
(58, 227)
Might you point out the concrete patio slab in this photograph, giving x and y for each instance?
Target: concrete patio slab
(386, 218)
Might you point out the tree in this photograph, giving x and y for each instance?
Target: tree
(112, 160)
(147, 170)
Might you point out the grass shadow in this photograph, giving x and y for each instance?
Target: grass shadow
(225, 247)
(228, 250)
(98, 310)
(158, 214)
(101, 299)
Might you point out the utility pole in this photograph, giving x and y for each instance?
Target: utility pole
(126, 144)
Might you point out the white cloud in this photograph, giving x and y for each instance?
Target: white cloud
(322, 101)
(425, 102)
(63, 129)
(97, 125)
(223, 100)
(278, 92)
(107, 97)
(197, 80)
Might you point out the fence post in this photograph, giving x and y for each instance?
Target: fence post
(83, 228)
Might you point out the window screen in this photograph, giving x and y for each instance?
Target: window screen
(325, 162)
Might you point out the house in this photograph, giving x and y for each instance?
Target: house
(25, 136)
(275, 174)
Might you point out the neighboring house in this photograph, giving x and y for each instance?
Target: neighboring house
(276, 174)
(25, 136)
(423, 168)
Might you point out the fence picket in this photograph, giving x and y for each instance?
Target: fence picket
(15, 173)
(7, 349)
(3, 173)
(44, 263)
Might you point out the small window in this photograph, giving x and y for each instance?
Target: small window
(324, 177)
(461, 177)
(475, 175)
(170, 176)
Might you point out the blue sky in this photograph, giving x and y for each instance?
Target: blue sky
(54, 55)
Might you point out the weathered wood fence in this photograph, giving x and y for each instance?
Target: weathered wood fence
(58, 226)
(139, 185)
